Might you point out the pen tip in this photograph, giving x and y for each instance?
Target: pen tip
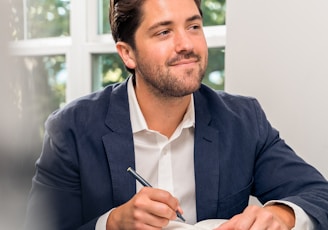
(180, 216)
(128, 169)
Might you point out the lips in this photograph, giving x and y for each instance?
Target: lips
(184, 59)
(184, 62)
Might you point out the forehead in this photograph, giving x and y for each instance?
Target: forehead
(154, 11)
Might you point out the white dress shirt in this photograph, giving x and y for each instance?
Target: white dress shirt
(169, 163)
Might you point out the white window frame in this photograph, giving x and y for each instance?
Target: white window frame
(84, 42)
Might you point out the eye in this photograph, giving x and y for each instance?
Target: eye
(195, 27)
(163, 33)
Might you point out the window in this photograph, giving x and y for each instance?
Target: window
(40, 44)
(67, 50)
(78, 33)
(39, 88)
(31, 19)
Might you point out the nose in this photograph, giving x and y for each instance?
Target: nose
(183, 42)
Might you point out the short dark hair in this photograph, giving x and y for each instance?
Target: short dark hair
(125, 17)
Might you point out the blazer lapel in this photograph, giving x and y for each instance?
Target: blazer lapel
(206, 160)
(119, 145)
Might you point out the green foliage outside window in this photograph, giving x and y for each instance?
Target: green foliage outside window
(213, 12)
(39, 19)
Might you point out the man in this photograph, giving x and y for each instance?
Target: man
(204, 152)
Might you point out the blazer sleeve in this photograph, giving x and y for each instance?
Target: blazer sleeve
(55, 197)
(281, 174)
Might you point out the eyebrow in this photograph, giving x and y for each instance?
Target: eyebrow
(165, 23)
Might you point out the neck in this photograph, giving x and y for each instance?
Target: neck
(162, 114)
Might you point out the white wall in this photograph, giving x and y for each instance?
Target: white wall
(277, 51)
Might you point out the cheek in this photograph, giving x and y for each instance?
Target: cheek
(153, 54)
(202, 47)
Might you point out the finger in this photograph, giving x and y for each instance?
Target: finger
(179, 209)
(164, 197)
(149, 219)
(157, 202)
(139, 215)
(229, 224)
(243, 221)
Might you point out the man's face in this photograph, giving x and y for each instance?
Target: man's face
(171, 50)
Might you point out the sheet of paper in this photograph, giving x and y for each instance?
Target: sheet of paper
(202, 225)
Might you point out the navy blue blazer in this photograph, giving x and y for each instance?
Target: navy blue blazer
(88, 146)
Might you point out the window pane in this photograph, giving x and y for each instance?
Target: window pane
(109, 69)
(40, 89)
(16, 20)
(213, 13)
(103, 13)
(214, 76)
(35, 19)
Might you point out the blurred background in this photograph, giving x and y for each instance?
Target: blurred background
(53, 51)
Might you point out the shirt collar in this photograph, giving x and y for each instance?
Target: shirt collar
(138, 121)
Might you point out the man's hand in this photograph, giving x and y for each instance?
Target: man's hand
(272, 217)
(150, 208)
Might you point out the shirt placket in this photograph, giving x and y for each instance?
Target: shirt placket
(165, 175)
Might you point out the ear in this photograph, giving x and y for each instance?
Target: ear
(127, 54)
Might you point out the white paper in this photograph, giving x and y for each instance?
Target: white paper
(202, 225)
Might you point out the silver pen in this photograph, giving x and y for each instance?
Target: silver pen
(146, 184)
